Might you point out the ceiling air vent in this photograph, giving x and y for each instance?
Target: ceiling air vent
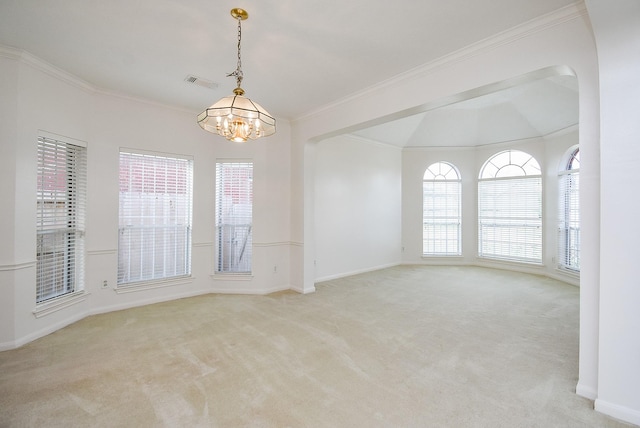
(201, 82)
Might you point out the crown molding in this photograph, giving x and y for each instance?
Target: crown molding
(146, 101)
(45, 67)
(558, 17)
(9, 52)
(39, 64)
(361, 139)
(553, 134)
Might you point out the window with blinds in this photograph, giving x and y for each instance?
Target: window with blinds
(569, 214)
(154, 217)
(234, 212)
(61, 194)
(510, 208)
(441, 210)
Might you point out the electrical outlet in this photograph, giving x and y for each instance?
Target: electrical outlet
(275, 269)
(105, 284)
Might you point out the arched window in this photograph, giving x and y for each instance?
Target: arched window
(569, 212)
(441, 212)
(510, 208)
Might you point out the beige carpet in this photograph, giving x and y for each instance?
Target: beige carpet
(402, 347)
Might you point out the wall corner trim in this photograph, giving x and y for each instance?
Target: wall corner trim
(586, 391)
(303, 290)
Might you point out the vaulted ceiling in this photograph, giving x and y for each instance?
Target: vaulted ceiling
(297, 56)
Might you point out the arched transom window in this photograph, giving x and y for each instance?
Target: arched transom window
(441, 210)
(510, 208)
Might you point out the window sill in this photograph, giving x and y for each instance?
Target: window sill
(153, 284)
(509, 262)
(59, 303)
(227, 276)
(441, 256)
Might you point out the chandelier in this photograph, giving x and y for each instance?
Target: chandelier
(236, 117)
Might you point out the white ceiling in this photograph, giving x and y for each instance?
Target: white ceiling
(297, 55)
(532, 109)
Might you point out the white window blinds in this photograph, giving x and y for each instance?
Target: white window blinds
(510, 208)
(234, 211)
(569, 222)
(510, 219)
(441, 211)
(61, 194)
(155, 217)
(569, 215)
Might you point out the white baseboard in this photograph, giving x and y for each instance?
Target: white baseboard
(356, 272)
(6, 346)
(262, 292)
(619, 412)
(51, 328)
(586, 391)
(9, 345)
(145, 302)
(303, 290)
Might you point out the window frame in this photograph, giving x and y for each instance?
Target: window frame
(230, 239)
(70, 222)
(510, 181)
(178, 217)
(439, 178)
(569, 212)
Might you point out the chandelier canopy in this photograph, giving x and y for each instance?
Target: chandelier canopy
(236, 117)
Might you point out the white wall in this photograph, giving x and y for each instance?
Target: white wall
(38, 97)
(9, 263)
(557, 147)
(469, 160)
(414, 164)
(357, 206)
(561, 38)
(616, 26)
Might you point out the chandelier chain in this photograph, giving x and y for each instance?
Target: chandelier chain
(238, 72)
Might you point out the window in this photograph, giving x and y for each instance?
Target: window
(510, 208)
(234, 210)
(155, 217)
(441, 212)
(61, 192)
(569, 213)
